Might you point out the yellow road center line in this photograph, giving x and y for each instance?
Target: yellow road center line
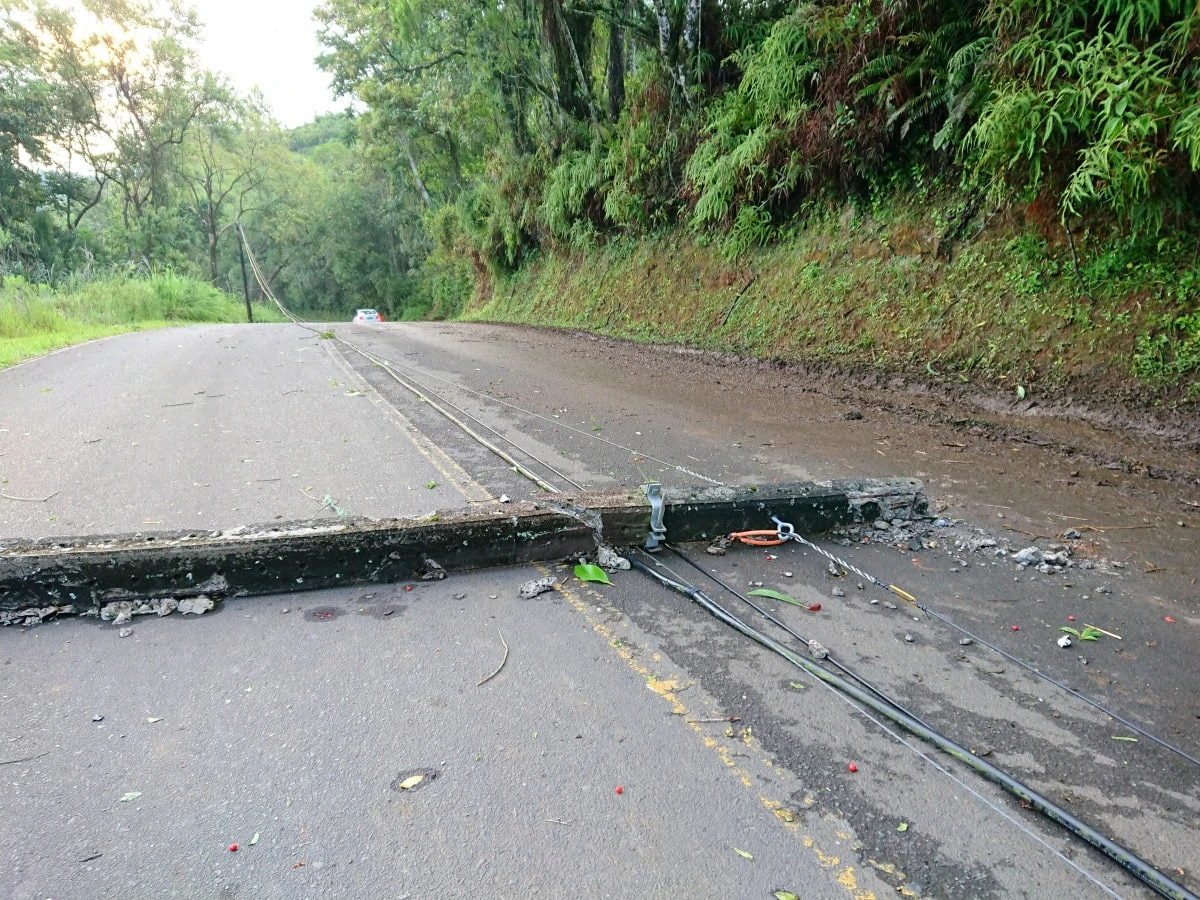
(668, 689)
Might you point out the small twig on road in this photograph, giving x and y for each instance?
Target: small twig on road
(30, 499)
(502, 662)
(1032, 534)
(972, 662)
(9, 762)
(722, 719)
(1102, 631)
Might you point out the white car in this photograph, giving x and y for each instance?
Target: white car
(366, 316)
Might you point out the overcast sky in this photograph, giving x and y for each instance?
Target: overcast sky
(271, 44)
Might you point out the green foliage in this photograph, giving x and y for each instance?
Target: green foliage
(27, 309)
(35, 318)
(1170, 354)
(1094, 105)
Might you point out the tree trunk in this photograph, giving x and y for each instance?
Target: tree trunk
(569, 36)
(691, 41)
(616, 65)
(416, 173)
(514, 113)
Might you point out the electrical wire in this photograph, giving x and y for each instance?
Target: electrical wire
(424, 397)
(786, 531)
(558, 423)
(867, 694)
(891, 732)
(1125, 858)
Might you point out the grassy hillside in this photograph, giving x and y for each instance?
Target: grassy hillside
(885, 289)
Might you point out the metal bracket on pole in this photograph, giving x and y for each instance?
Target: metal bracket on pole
(658, 532)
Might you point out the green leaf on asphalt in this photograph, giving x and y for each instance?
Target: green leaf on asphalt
(902, 827)
(254, 840)
(797, 685)
(775, 595)
(588, 572)
(742, 853)
(1123, 737)
(131, 795)
(1020, 392)
(785, 895)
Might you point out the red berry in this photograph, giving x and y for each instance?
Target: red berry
(620, 790)
(816, 607)
(1070, 618)
(1016, 628)
(233, 848)
(852, 767)
(1168, 620)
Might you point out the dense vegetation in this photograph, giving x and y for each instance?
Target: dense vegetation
(492, 138)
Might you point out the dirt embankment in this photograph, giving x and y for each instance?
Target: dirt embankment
(1001, 325)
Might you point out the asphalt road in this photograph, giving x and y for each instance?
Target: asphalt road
(206, 427)
(294, 726)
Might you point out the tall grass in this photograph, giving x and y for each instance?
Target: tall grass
(36, 318)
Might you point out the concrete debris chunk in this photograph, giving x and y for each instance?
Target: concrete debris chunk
(119, 612)
(1028, 556)
(196, 606)
(531, 589)
(608, 559)
(816, 651)
(164, 606)
(431, 570)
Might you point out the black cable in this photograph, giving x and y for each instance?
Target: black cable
(775, 620)
(1125, 858)
(1095, 704)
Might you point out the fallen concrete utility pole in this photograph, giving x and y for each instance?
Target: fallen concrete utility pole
(59, 576)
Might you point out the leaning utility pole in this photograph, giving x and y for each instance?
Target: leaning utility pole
(245, 280)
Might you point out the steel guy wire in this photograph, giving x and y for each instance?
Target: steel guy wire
(557, 423)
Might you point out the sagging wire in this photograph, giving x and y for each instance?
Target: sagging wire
(787, 532)
(891, 732)
(383, 364)
(892, 711)
(558, 423)
(507, 457)
(388, 364)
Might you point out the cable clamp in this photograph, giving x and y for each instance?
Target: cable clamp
(658, 532)
(784, 529)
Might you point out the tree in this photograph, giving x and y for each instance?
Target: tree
(135, 92)
(223, 167)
